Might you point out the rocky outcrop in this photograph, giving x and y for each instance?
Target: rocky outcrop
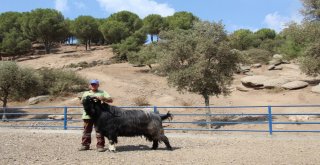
(254, 81)
(275, 83)
(36, 100)
(316, 88)
(295, 85)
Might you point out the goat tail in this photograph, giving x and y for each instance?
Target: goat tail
(167, 116)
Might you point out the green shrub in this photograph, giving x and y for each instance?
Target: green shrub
(257, 56)
(55, 82)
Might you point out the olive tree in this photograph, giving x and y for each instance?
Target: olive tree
(199, 60)
(15, 82)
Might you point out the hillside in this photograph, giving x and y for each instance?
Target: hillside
(126, 82)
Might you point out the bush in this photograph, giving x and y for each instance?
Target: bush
(141, 101)
(55, 82)
(257, 56)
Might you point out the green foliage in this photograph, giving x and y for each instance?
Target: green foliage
(153, 23)
(181, 20)
(15, 82)
(311, 10)
(255, 55)
(310, 62)
(14, 43)
(12, 40)
(265, 33)
(129, 19)
(130, 45)
(85, 29)
(199, 60)
(57, 82)
(241, 39)
(18, 83)
(146, 56)
(114, 31)
(45, 25)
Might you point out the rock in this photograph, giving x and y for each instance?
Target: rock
(258, 65)
(59, 117)
(242, 88)
(275, 83)
(316, 89)
(244, 69)
(35, 100)
(254, 81)
(299, 118)
(278, 56)
(275, 61)
(277, 68)
(271, 67)
(295, 85)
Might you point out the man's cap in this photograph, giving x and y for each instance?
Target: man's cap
(94, 81)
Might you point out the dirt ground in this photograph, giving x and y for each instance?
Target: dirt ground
(125, 82)
(27, 146)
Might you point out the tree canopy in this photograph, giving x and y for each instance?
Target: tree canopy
(199, 60)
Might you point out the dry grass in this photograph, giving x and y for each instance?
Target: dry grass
(141, 101)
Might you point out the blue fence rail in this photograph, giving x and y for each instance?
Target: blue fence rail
(266, 115)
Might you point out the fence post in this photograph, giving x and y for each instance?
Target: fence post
(155, 110)
(270, 119)
(65, 118)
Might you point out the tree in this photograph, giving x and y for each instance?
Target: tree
(129, 19)
(45, 25)
(14, 43)
(265, 33)
(114, 31)
(153, 23)
(310, 62)
(199, 60)
(241, 39)
(181, 20)
(129, 45)
(15, 81)
(85, 29)
(311, 10)
(12, 40)
(146, 56)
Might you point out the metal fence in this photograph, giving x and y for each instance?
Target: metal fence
(269, 119)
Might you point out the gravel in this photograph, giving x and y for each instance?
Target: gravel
(30, 146)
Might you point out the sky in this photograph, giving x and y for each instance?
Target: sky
(234, 14)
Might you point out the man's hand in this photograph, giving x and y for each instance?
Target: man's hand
(104, 99)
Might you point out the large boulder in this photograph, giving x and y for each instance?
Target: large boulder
(316, 89)
(295, 85)
(275, 83)
(36, 100)
(254, 81)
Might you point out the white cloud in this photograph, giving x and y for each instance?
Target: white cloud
(278, 22)
(140, 7)
(61, 5)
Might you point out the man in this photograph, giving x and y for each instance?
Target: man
(88, 123)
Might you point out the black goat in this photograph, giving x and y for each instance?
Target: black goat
(113, 122)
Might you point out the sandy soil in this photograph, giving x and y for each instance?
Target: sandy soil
(60, 147)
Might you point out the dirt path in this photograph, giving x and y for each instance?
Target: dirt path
(60, 147)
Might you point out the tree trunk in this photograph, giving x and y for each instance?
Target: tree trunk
(4, 105)
(89, 44)
(86, 45)
(151, 38)
(47, 47)
(208, 111)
